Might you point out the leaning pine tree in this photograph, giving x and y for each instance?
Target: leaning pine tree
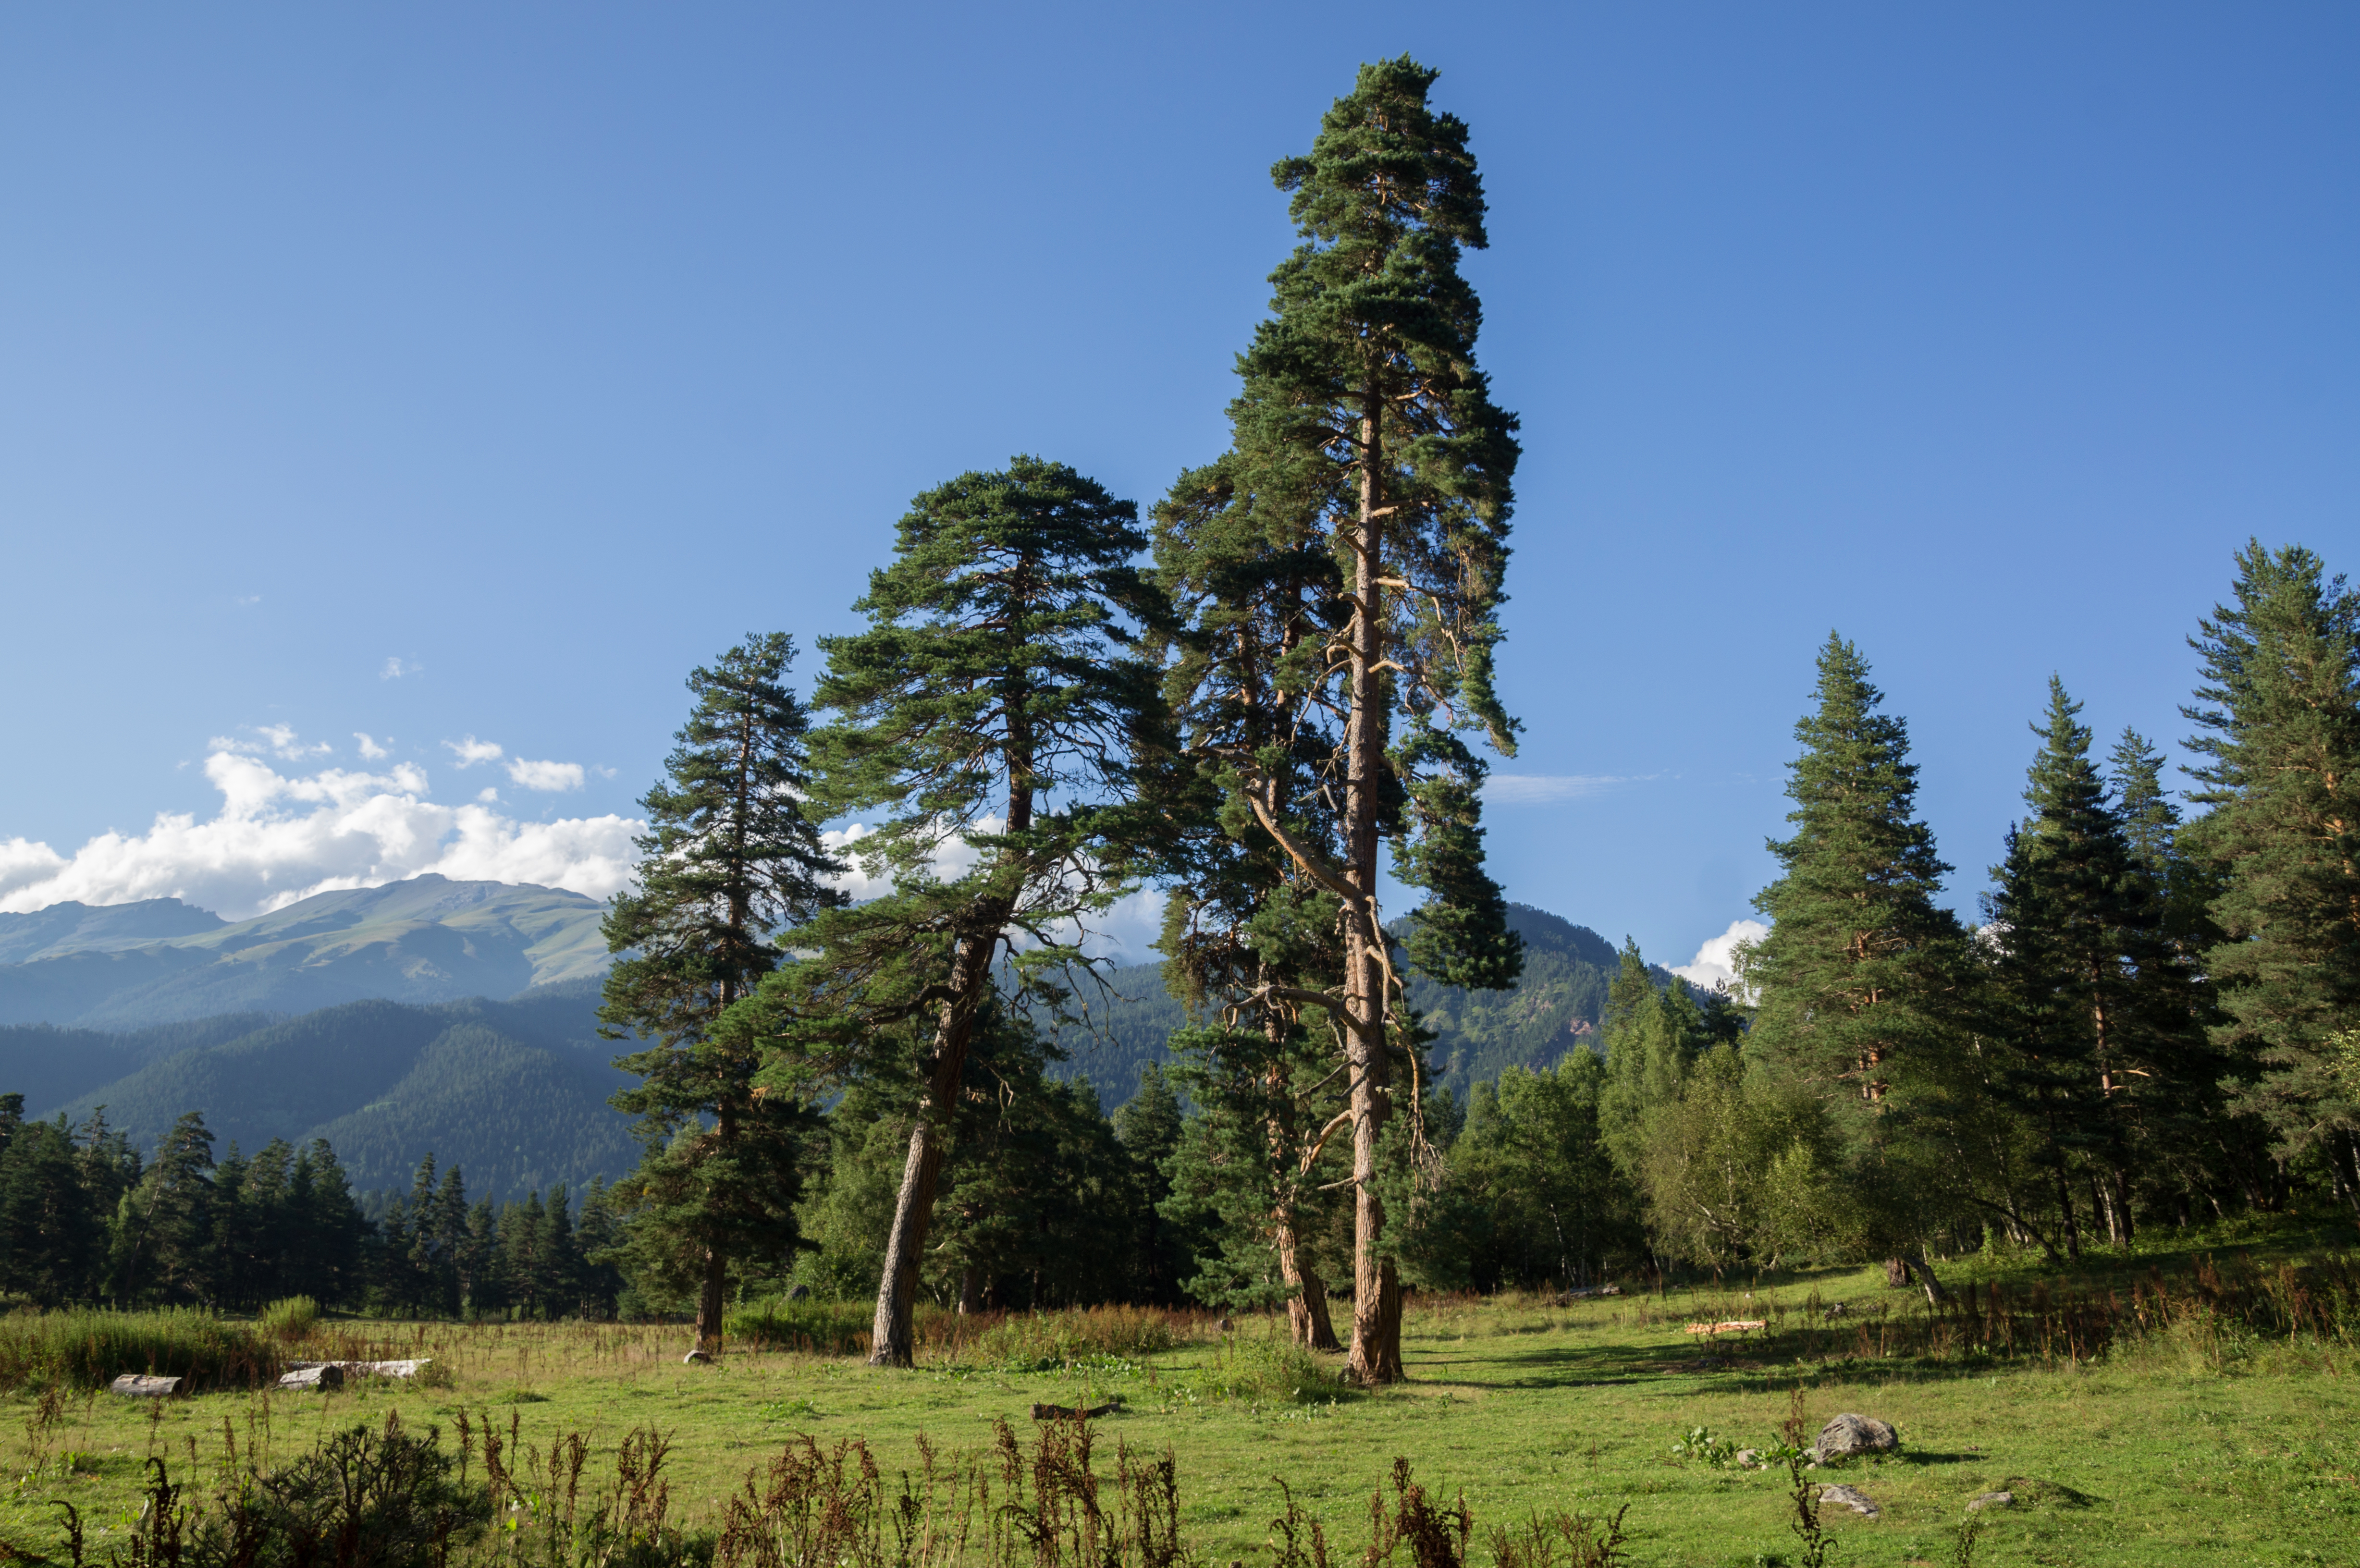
(2280, 724)
(996, 711)
(1364, 427)
(1855, 976)
(730, 860)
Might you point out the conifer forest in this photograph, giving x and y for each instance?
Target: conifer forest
(1268, 695)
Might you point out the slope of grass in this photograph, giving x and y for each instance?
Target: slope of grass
(2194, 1437)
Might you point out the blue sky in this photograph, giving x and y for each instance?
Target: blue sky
(460, 376)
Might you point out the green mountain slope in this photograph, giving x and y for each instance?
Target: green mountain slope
(102, 928)
(426, 940)
(514, 1092)
(1477, 1033)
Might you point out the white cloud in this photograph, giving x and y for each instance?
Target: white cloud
(370, 751)
(395, 669)
(470, 751)
(1716, 962)
(280, 740)
(279, 837)
(488, 795)
(545, 776)
(1545, 789)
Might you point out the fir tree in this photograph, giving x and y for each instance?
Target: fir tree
(1364, 429)
(730, 860)
(2279, 734)
(993, 708)
(1856, 978)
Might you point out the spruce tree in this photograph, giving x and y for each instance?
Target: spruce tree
(995, 710)
(730, 860)
(1855, 978)
(2099, 1038)
(1364, 429)
(2279, 733)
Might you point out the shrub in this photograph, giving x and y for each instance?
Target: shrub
(89, 1348)
(824, 1328)
(290, 1319)
(1047, 1340)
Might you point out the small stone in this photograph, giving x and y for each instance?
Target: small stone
(1750, 1459)
(1850, 1434)
(1851, 1498)
(1993, 1501)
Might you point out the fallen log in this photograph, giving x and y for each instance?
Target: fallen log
(140, 1386)
(1074, 1413)
(366, 1369)
(327, 1375)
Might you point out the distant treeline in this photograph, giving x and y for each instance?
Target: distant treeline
(86, 1217)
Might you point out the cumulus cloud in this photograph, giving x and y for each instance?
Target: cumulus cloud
(470, 751)
(1545, 789)
(551, 777)
(395, 669)
(370, 751)
(280, 836)
(1716, 962)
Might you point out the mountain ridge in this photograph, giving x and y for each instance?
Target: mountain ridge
(424, 940)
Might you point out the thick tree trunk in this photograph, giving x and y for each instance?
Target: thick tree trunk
(1376, 1298)
(1306, 1309)
(710, 1292)
(891, 1342)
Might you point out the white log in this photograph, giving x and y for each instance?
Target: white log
(140, 1385)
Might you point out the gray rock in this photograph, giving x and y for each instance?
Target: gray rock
(1848, 1434)
(1991, 1500)
(1750, 1459)
(799, 1293)
(327, 1375)
(1851, 1498)
(139, 1386)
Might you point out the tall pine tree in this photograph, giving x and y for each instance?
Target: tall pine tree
(1363, 428)
(2279, 732)
(996, 710)
(730, 860)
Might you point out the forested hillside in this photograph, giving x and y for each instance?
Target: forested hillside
(514, 1093)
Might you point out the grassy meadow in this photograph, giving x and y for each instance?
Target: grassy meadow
(2138, 1421)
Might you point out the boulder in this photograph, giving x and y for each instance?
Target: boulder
(1848, 1434)
(327, 1375)
(140, 1385)
(798, 1293)
(1853, 1497)
(1991, 1500)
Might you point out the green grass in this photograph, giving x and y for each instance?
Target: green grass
(88, 1349)
(2197, 1440)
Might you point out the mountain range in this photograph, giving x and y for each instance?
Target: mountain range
(460, 1018)
(126, 966)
